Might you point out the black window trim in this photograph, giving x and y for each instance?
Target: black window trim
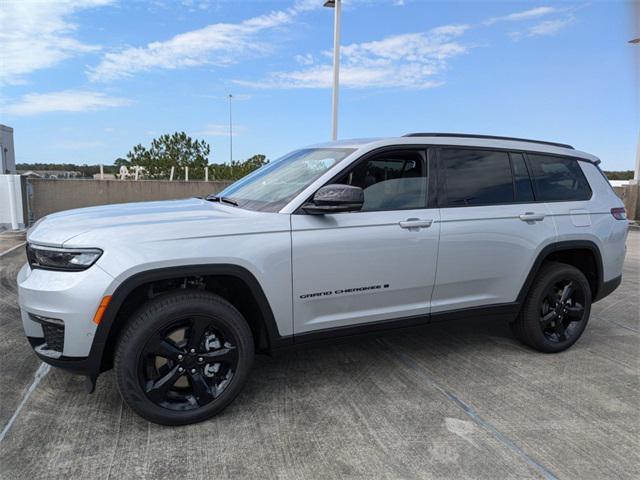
(529, 176)
(422, 149)
(442, 188)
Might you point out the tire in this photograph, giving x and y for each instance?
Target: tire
(548, 323)
(157, 373)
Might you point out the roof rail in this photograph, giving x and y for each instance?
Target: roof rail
(489, 137)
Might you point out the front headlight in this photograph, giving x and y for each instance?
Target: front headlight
(67, 259)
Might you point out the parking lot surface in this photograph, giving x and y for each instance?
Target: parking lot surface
(456, 400)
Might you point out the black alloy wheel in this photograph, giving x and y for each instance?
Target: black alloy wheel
(188, 365)
(556, 309)
(562, 310)
(183, 357)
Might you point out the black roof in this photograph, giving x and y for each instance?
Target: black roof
(489, 137)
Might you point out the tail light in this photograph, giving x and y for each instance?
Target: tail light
(619, 213)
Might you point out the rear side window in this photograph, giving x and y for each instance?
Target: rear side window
(476, 177)
(558, 178)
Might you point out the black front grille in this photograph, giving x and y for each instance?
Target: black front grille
(53, 336)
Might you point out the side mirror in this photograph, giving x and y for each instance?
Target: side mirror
(335, 199)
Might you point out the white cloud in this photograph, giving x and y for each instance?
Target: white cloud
(62, 101)
(409, 60)
(306, 59)
(217, 44)
(39, 34)
(549, 27)
(546, 28)
(524, 15)
(220, 130)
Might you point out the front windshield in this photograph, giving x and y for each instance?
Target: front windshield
(275, 184)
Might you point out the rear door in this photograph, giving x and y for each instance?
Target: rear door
(375, 264)
(491, 227)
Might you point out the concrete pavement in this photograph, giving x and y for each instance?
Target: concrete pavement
(457, 400)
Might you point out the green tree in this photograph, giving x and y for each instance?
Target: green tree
(620, 175)
(121, 161)
(237, 169)
(177, 150)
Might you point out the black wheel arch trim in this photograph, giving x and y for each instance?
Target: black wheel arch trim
(92, 365)
(559, 247)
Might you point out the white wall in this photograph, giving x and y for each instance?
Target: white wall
(619, 183)
(11, 202)
(7, 153)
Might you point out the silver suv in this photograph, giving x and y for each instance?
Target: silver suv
(327, 241)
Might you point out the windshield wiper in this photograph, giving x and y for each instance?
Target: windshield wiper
(216, 198)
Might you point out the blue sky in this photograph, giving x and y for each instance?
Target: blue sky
(83, 81)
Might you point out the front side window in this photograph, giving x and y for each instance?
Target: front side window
(395, 180)
(272, 186)
(558, 178)
(476, 177)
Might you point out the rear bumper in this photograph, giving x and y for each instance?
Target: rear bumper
(608, 287)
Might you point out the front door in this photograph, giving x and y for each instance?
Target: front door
(375, 264)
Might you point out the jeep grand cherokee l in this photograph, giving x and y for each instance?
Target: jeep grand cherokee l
(331, 240)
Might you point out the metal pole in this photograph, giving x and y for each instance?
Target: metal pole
(636, 173)
(230, 132)
(336, 67)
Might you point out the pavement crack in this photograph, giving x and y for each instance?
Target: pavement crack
(15, 247)
(43, 369)
(618, 324)
(117, 440)
(407, 361)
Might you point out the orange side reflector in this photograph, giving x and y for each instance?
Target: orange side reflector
(101, 309)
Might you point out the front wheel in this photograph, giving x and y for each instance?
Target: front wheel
(556, 310)
(183, 358)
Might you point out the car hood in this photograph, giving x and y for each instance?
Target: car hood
(146, 221)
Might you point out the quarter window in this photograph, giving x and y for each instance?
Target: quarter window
(476, 177)
(391, 181)
(558, 178)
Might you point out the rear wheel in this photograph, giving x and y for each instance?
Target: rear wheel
(556, 310)
(183, 358)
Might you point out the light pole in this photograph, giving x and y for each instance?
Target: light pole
(337, 6)
(230, 132)
(636, 172)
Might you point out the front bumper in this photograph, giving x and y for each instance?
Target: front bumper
(64, 300)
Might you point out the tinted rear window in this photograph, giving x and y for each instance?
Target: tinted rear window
(476, 177)
(558, 178)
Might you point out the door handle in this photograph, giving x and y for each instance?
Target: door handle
(532, 217)
(415, 223)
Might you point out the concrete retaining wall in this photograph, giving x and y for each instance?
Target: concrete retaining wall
(49, 196)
